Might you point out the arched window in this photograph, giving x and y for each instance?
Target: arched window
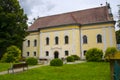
(66, 39)
(85, 39)
(47, 41)
(99, 38)
(56, 40)
(35, 42)
(28, 43)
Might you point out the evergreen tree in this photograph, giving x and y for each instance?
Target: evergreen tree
(12, 24)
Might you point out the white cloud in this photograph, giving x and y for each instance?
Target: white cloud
(35, 8)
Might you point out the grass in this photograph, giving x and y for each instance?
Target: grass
(83, 71)
(4, 66)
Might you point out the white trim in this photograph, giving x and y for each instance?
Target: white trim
(73, 41)
(104, 38)
(110, 35)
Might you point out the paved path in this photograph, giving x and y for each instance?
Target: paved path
(31, 67)
(18, 70)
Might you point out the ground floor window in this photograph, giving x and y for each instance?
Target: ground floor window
(28, 53)
(84, 52)
(66, 53)
(47, 53)
(34, 53)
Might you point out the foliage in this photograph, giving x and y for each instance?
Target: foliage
(13, 54)
(94, 54)
(56, 62)
(31, 61)
(118, 36)
(110, 51)
(76, 57)
(82, 71)
(70, 59)
(13, 24)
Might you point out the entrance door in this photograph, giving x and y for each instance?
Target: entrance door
(56, 54)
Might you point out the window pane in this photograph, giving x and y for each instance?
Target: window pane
(34, 53)
(99, 38)
(47, 41)
(66, 39)
(56, 40)
(47, 53)
(35, 42)
(66, 53)
(85, 39)
(28, 43)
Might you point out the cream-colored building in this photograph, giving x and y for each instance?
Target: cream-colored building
(72, 33)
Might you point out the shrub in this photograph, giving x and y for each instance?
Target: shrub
(94, 54)
(70, 59)
(56, 62)
(110, 51)
(76, 57)
(13, 54)
(31, 61)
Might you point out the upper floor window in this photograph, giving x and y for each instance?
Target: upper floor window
(56, 40)
(85, 39)
(28, 43)
(47, 41)
(66, 39)
(99, 38)
(35, 42)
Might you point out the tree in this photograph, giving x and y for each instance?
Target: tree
(12, 24)
(110, 51)
(118, 36)
(13, 54)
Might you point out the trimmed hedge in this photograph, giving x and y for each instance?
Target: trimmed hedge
(94, 54)
(31, 61)
(56, 62)
(76, 57)
(70, 59)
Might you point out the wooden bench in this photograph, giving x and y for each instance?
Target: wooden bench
(18, 66)
(43, 60)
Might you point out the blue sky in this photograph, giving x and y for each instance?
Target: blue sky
(35, 8)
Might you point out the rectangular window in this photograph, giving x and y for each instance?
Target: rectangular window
(34, 53)
(47, 53)
(66, 53)
(84, 52)
(28, 53)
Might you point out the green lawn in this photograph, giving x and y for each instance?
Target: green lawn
(4, 66)
(83, 71)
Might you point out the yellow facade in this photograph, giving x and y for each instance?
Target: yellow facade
(75, 44)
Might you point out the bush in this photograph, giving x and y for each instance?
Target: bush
(110, 51)
(76, 57)
(70, 59)
(56, 62)
(94, 54)
(31, 61)
(13, 54)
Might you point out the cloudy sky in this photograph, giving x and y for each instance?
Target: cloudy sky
(35, 8)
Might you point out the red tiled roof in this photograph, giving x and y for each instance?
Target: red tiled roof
(88, 16)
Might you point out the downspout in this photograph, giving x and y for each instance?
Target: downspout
(80, 41)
